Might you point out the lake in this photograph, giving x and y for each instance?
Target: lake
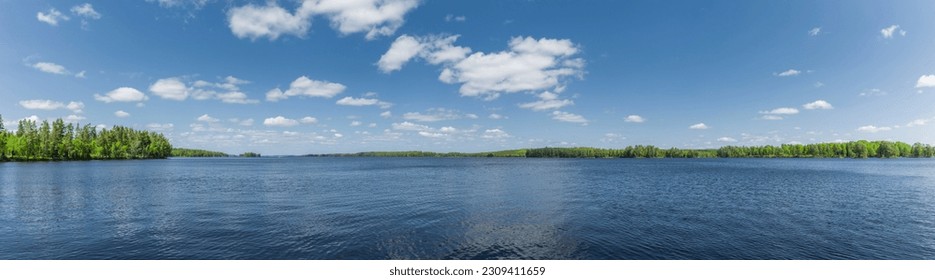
(468, 208)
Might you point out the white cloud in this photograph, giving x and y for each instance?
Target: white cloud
(308, 120)
(52, 17)
(170, 88)
(432, 115)
(891, 30)
(386, 114)
(873, 92)
(698, 126)
(528, 65)
(726, 139)
(926, 81)
(356, 123)
(918, 122)
(495, 116)
(814, 31)
(781, 111)
(401, 51)
(235, 97)
(375, 17)
(351, 101)
(50, 67)
(495, 133)
(37, 104)
(568, 117)
(634, 119)
(121, 114)
(197, 4)
(873, 129)
(471, 116)
(74, 118)
(252, 21)
(410, 126)
(247, 122)
(432, 134)
(547, 101)
(207, 118)
(123, 94)
(450, 18)
(818, 104)
(771, 117)
(80, 75)
(303, 86)
(76, 107)
(280, 121)
(85, 10)
(790, 72)
(448, 129)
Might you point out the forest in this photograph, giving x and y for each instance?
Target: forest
(57, 140)
(853, 149)
(182, 152)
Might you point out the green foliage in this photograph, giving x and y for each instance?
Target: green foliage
(181, 152)
(854, 149)
(250, 154)
(58, 141)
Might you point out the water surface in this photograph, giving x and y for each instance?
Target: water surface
(468, 208)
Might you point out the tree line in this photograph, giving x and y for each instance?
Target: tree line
(57, 140)
(853, 149)
(182, 152)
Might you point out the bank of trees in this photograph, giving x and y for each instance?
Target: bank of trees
(58, 140)
(182, 152)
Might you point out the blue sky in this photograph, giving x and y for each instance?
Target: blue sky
(322, 76)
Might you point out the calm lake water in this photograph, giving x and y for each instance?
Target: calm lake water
(483, 208)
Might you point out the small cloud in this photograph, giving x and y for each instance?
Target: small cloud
(918, 122)
(819, 84)
(309, 120)
(37, 104)
(280, 121)
(121, 114)
(123, 94)
(450, 18)
(873, 92)
(726, 139)
(771, 117)
(52, 17)
(781, 111)
(568, 117)
(818, 104)
(386, 114)
(50, 67)
(787, 73)
(873, 129)
(80, 75)
(356, 123)
(634, 119)
(892, 30)
(85, 10)
(206, 118)
(495, 133)
(698, 126)
(495, 116)
(926, 81)
(351, 101)
(814, 31)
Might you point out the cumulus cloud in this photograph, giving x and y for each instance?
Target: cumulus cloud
(771, 117)
(123, 94)
(121, 114)
(787, 73)
(568, 117)
(160, 126)
(37, 104)
(85, 10)
(726, 139)
(50, 67)
(888, 32)
(698, 126)
(52, 17)
(74, 118)
(374, 17)
(386, 114)
(280, 121)
(874, 92)
(450, 18)
(495, 116)
(308, 120)
(873, 129)
(918, 122)
(818, 104)
(926, 81)
(528, 65)
(410, 126)
(170, 88)
(547, 101)
(634, 119)
(76, 107)
(351, 101)
(303, 86)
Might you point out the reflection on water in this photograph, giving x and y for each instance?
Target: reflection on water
(498, 208)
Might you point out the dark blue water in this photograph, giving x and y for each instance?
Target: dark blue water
(428, 208)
